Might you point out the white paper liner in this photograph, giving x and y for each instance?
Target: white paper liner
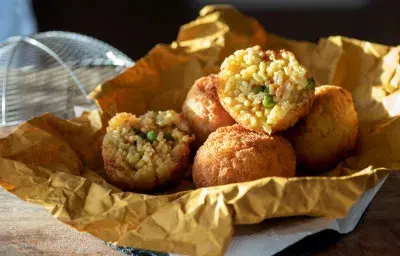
(271, 239)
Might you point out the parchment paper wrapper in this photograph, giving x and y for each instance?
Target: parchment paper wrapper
(56, 163)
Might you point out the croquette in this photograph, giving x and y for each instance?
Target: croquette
(265, 91)
(234, 154)
(202, 109)
(146, 152)
(328, 133)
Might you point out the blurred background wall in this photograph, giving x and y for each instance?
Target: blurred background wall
(16, 18)
(136, 26)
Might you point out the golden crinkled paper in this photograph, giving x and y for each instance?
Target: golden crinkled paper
(57, 163)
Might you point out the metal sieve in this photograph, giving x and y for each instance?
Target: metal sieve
(53, 72)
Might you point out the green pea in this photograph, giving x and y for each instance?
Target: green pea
(168, 137)
(152, 136)
(266, 89)
(268, 101)
(310, 84)
(257, 89)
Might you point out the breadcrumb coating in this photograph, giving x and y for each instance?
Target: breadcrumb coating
(234, 154)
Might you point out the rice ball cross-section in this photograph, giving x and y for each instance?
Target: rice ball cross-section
(265, 91)
(203, 110)
(234, 154)
(146, 152)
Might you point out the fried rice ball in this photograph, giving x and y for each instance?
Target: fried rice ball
(202, 109)
(328, 133)
(265, 91)
(146, 152)
(234, 154)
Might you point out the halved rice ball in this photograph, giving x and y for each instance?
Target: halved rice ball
(146, 152)
(265, 91)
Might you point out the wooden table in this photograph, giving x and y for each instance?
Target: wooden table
(27, 229)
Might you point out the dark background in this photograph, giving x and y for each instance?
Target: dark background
(136, 26)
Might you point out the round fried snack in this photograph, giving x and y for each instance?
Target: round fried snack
(234, 154)
(266, 91)
(328, 133)
(202, 109)
(146, 152)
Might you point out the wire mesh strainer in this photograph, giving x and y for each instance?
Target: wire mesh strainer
(53, 72)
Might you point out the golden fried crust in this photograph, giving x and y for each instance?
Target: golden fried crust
(123, 178)
(202, 109)
(234, 154)
(328, 133)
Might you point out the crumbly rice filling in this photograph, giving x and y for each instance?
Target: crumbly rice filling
(261, 87)
(148, 146)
